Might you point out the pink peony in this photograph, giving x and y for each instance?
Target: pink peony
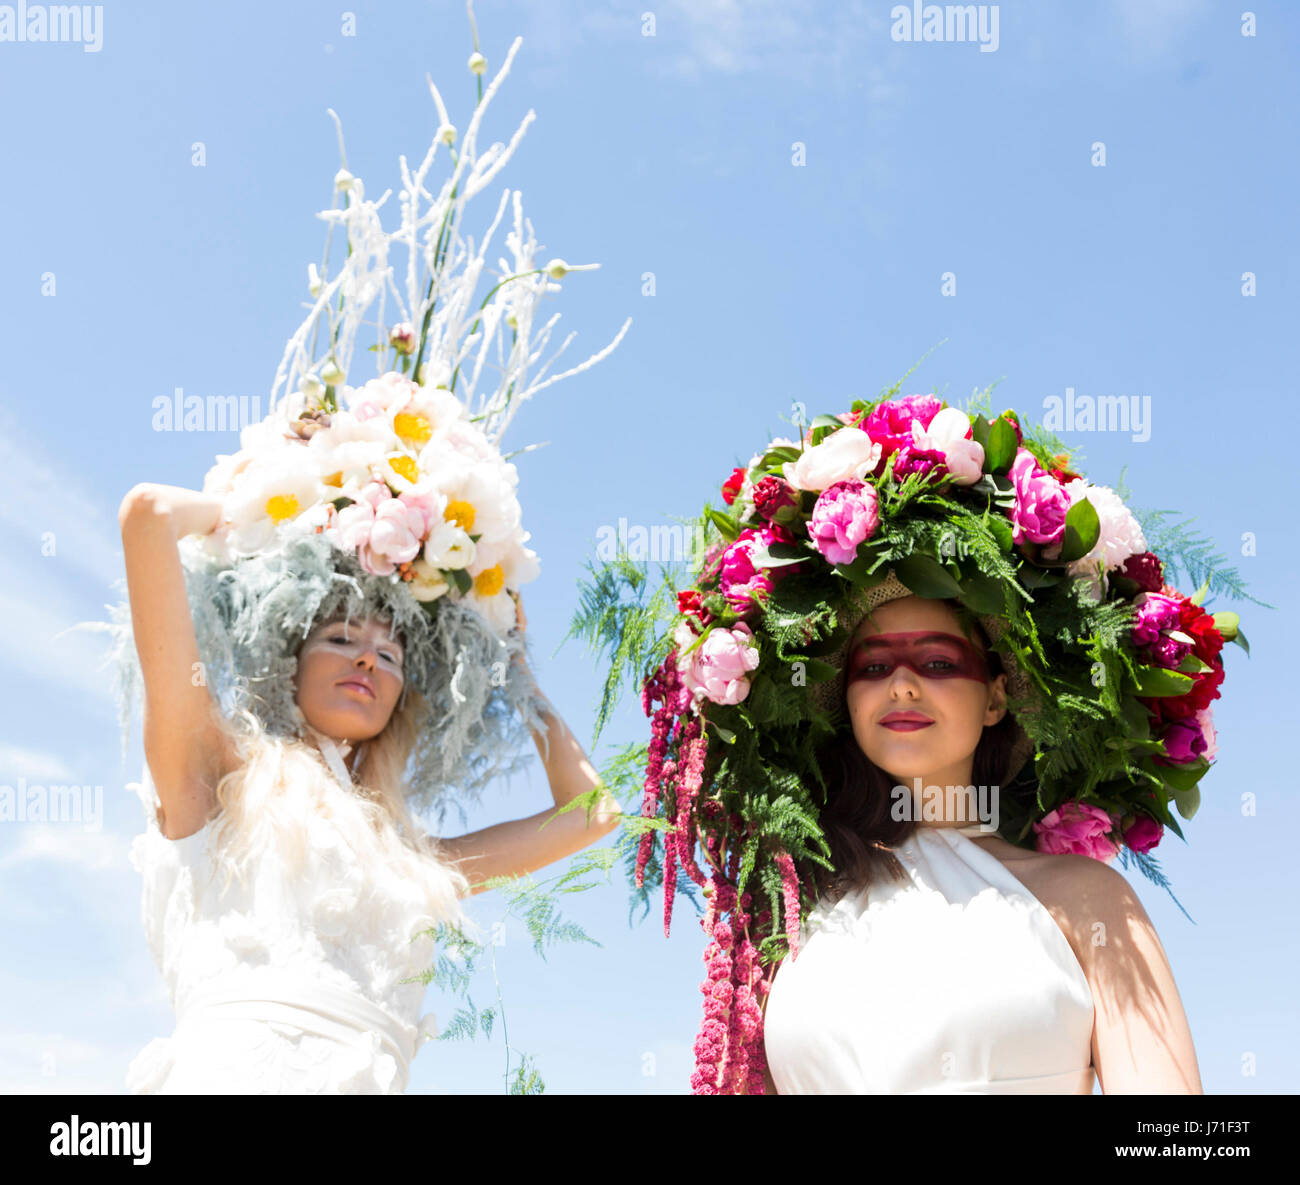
(381, 529)
(1076, 827)
(425, 510)
(1041, 504)
(1143, 834)
(845, 515)
(1205, 718)
(718, 669)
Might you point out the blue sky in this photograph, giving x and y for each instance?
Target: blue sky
(130, 272)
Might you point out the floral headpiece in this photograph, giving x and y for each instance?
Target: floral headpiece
(390, 495)
(1111, 670)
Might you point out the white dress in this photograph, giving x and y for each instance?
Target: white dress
(286, 985)
(955, 981)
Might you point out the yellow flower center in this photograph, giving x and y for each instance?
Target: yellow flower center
(490, 581)
(334, 479)
(412, 427)
(404, 467)
(461, 513)
(281, 506)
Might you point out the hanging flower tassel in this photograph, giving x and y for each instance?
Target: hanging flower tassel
(717, 989)
(660, 686)
(670, 853)
(694, 749)
(790, 901)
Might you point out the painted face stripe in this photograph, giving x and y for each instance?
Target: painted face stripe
(928, 654)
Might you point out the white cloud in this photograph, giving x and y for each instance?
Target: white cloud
(33, 765)
(69, 844)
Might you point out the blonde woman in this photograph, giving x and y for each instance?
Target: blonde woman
(287, 883)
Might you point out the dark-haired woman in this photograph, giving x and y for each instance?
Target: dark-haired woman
(940, 957)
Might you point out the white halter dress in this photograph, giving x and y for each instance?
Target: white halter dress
(286, 985)
(955, 981)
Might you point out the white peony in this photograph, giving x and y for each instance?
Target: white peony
(845, 454)
(1120, 535)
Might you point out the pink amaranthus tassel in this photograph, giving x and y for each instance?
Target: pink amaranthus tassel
(717, 989)
(790, 901)
(661, 686)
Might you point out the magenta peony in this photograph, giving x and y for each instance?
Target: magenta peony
(1155, 614)
(890, 423)
(1041, 503)
(1183, 740)
(1143, 834)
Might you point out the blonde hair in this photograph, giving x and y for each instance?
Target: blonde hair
(279, 780)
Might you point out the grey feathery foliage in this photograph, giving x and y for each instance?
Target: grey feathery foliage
(251, 617)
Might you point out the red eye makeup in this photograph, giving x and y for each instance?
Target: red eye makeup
(930, 655)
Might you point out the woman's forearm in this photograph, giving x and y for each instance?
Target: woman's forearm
(190, 512)
(568, 769)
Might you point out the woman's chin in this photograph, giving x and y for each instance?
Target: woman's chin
(348, 723)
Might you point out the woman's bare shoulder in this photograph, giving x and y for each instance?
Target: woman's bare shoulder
(1074, 889)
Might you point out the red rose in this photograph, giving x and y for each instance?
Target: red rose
(1199, 625)
(731, 487)
(770, 495)
(688, 601)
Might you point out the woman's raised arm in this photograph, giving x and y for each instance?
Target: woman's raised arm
(524, 845)
(187, 750)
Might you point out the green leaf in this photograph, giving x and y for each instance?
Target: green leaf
(724, 734)
(1032, 577)
(462, 580)
(985, 594)
(1001, 530)
(1191, 665)
(1157, 681)
(1227, 623)
(1184, 777)
(979, 430)
(778, 555)
(1199, 595)
(1240, 639)
(927, 577)
(1000, 450)
(1188, 802)
(727, 526)
(1082, 530)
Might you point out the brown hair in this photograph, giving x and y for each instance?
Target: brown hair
(856, 816)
